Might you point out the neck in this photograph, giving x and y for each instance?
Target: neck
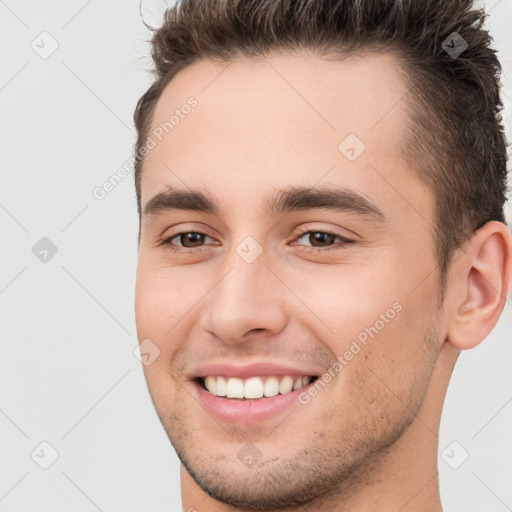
(403, 477)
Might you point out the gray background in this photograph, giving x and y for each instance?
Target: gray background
(68, 375)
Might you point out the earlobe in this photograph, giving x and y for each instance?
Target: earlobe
(485, 278)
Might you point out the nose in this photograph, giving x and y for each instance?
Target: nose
(246, 302)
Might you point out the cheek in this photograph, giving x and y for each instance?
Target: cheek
(345, 299)
(391, 372)
(376, 329)
(163, 301)
(164, 297)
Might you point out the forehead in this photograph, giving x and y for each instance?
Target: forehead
(261, 124)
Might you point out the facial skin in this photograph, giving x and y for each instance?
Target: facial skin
(368, 439)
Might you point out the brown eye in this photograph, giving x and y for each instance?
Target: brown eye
(319, 242)
(319, 238)
(191, 239)
(188, 239)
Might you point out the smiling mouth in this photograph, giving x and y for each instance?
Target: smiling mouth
(253, 388)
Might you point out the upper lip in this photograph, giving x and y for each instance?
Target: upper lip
(245, 371)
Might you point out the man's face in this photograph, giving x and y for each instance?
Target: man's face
(273, 282)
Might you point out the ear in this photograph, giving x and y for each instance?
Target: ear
(482, 284)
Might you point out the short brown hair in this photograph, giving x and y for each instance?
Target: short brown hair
(455, 139)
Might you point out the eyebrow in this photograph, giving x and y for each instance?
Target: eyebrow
(286, 200)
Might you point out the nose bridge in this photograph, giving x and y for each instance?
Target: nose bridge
(245, 296)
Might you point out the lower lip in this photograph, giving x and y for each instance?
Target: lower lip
(247, 411)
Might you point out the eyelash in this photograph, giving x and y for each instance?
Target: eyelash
(345, 241)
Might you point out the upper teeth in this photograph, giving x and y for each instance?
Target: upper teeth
(254, 387)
